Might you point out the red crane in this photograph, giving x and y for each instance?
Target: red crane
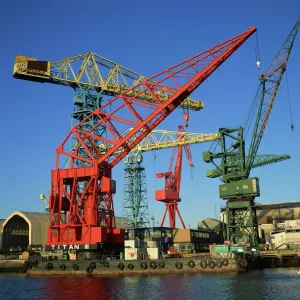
(81, 198)
(170, 194)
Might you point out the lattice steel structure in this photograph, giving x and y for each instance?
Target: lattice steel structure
(92, 77)
(238, 189)
(81, 200)
(135, 200)
(170, 195)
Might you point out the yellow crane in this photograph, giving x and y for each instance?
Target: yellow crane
(89, 72)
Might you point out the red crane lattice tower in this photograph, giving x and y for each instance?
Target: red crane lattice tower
(81, 199)
(170, 194)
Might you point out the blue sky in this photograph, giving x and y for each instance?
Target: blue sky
(146, 37)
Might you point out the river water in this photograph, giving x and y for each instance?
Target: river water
(267, 284)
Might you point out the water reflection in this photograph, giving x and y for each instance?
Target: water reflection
(267, 284)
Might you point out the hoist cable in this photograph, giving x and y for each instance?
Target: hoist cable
(289, 99)
(154, 166)
(248, 120)
(256, 49)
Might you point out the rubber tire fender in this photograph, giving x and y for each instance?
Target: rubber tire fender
(93, 265)
(130, 266)
(153, 265)
(225, 262)
(144, 265)
(191, 264)
(63, 267)
(203, 263)
(178, 265)
(89, 270)
(161, 264)
(75, 267)
(120, 266)
(219, 264)
(238, 258)
(244, 262)
(106, 264)
(211, 264)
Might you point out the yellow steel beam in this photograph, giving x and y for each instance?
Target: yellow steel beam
(163, 139)
(89, 71)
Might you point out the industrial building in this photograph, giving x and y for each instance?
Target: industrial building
(180, 240)
(278, 212)
(274, 223)
(211, 225)
(27, 230)
(21, 229)
(286, 235)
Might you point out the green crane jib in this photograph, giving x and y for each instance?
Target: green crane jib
(234, 169)
(91, 73)
(260, 161)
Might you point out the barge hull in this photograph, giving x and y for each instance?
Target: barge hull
(116, 267)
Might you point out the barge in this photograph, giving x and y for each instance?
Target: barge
(161, 266)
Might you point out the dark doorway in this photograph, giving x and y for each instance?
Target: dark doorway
(16, 234)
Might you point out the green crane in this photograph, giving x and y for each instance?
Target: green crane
(234, 166)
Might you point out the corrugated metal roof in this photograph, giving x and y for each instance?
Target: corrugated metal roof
(209, 224)
(37, 217)
(38, 225)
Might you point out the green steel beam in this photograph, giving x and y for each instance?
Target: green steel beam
(260, 160)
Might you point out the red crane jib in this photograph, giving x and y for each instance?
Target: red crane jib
(81, 206)
(170, 194)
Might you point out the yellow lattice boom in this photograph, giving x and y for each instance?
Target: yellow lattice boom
(163, 139)
(92, 72)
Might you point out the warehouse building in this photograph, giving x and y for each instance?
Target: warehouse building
(22, 229)
(273, 220)
(278, 212)
(26, 230)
